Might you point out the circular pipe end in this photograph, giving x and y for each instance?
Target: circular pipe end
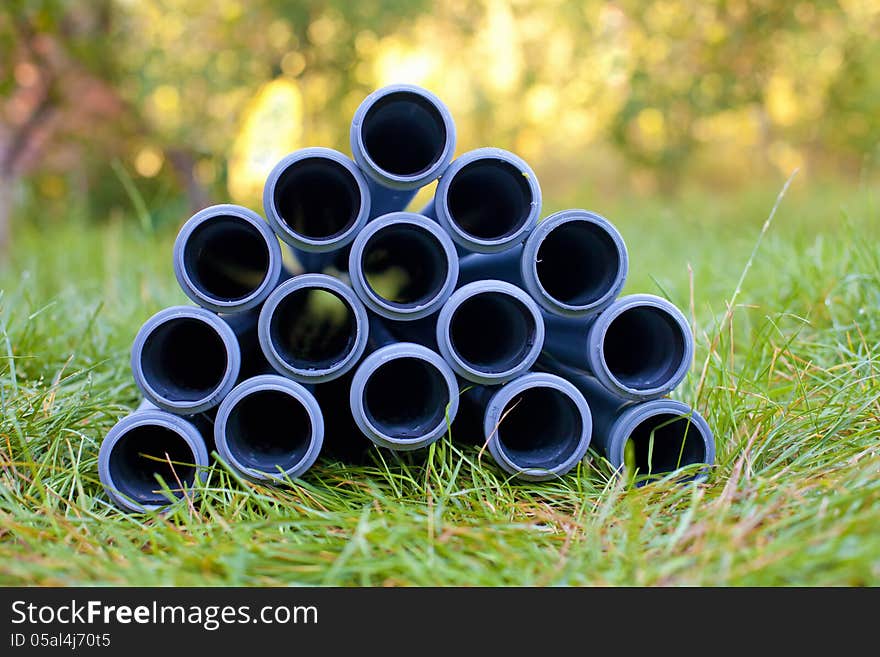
(490, 332)
(538, 427)
(641, 347)
(488, 200)
(227, 259)
(664, 435)
(574, 263)
(316, 200)
(146, 444)
(403, 266)
(404, 397)
(185, 360)
(313, 328)
(402, 136)
(269, 428)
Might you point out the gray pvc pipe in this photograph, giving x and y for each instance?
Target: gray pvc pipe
(185, 359)
(244, 325)
(403, 266)
(343, 439)
(639, 348)
(204, 422)
(538, 426)
(403, 396)
(488, 200)
(269, 428)
(574, 264)
(402, 137)
(490, 332)
(139, 447)
(313, 328)
(666, 434)
(227, 259)
(316, 200)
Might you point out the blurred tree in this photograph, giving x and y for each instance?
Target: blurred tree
(56, 87)
(165, 84)
(199, 98)
(197, 67)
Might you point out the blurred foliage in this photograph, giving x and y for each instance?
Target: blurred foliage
(194, 101)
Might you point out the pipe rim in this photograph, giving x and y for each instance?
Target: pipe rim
(631, 418)
(381, 306)
(495, 411)
(297, 239)
(596, 341)
(271, 383)
(218, 304)
(227, 337)
(472, 242)
(341, 291)
(387, 178)
(529, 264)
(147, 418)
(381, 357)
(456, 362)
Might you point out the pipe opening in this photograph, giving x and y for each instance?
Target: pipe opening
(144, 452)
(405, 265)
(226, 258)
(492, 332)
(317, 198)
(313, 328)
(644, 347)
(540, 428)
(404, 133)
(184, 359)
(490, 199)
(577, 263)
(663, 443)
(267, 430)
(406, 398)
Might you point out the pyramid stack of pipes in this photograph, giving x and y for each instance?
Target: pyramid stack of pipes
(339, 322)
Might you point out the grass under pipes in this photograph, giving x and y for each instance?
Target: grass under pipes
(787, 378)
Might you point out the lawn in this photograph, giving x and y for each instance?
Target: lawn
(786, 373)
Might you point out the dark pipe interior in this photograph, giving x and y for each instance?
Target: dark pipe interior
(226, 258)
(665, 442)
(492, 332)
(405, 265)
(578, 263)
(317, 198)
(406, 398)
(184, 359)
(144, 452)
(404, 134)
(541, 428)
(267, 430)
(644, 347)
(313, 328)
(489, 199)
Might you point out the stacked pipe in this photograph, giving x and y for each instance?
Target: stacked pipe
(396, 325)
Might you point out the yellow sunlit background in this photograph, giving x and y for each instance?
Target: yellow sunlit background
(194, 101)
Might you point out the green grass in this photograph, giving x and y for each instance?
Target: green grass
(787, 377)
